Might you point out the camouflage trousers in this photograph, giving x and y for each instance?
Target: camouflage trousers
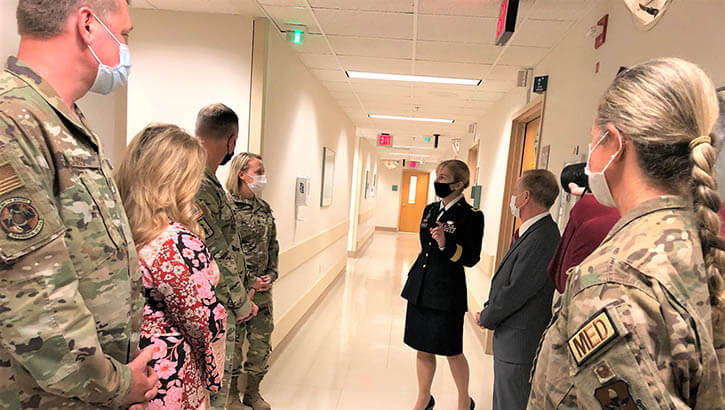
(233, 356)
(259, 335)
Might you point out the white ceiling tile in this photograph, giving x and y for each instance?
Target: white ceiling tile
(366, 24)
(456, 52)
(379, 65)
(372, 47)
(320, 61)
(297, 3)
(487, 96)
(313, 44)
(540, 33)
(499, 85)
(247, 7)
(504, 72)
(478, 30)
(284, 15)
(401, 6)
(379, 87)
(559, 9)
(523, 56)
(444, 69)
(337, 85)
(484, 8)
(330, 75)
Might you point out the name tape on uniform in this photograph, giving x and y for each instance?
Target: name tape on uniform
(593, 336)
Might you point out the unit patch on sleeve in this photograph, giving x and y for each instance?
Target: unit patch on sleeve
(616, 395)
(592, 337)
(19, 219)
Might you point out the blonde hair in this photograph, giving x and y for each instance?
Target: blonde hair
(239, 164)
(459, 169)
(158, 180)
(662, 105)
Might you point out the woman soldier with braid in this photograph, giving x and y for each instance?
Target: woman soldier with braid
(639, 325)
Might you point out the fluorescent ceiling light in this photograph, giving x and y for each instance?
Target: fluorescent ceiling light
(407, 154)
(412, 78)
(398, 117)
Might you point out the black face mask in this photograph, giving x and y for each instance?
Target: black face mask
(443, 189)
(229, 155)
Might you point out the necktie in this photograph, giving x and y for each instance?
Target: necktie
(516, 238)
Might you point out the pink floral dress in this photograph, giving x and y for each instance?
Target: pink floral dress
(183, 320)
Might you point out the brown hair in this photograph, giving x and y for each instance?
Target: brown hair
(158, 181)
(459, 169)
(542, 185)
(663, 105)
(239, 164)
(216, 121)
(45, 18)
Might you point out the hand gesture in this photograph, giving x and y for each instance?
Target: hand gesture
(439, 235)
(144, 381)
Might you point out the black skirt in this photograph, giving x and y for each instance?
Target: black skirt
(434, 331)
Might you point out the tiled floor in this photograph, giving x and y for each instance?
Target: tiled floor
(349, 354)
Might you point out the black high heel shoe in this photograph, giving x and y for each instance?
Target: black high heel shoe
(431, 403)
(473, 404)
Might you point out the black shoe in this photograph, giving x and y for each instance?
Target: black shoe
(473, 404)
(431, 403)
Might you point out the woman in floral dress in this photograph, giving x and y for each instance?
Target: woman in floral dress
(183, 320)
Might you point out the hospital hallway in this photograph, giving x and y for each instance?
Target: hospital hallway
(349, 353)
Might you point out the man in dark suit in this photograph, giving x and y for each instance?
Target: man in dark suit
(519, 305)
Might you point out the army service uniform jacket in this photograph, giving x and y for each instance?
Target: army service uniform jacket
(437, 279)
(221, 237)
(633, 328)
(258, 234)
(71, 299)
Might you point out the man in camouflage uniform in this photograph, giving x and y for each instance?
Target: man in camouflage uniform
(71, 300)
(633, 328)
(258, 233)
(217, 127)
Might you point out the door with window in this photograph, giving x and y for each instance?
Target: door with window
(413, 198)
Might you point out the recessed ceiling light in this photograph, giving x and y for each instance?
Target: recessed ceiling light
(412, 78)
(399, 117)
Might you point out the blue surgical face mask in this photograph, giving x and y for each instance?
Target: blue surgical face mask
(109, 79)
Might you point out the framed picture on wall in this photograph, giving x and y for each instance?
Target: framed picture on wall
(328, 176)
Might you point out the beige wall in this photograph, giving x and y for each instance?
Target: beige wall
(388, 201)
(8, 30)
(367, 207)
(300, 119)
(183, 61)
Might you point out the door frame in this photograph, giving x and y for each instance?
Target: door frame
(513, 167)
(400, 202)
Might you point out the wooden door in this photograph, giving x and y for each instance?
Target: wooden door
(413, 200)
(529, 155)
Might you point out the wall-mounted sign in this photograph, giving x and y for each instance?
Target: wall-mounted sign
(541, 83)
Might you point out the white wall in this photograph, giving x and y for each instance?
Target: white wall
(300, 119)
(183, 61)
(8, 30)
(369, 166)
(690, 29)
(387, 200)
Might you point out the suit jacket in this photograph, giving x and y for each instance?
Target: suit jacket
(437, 279)
(519, 305)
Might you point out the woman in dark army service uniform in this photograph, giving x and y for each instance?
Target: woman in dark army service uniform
(450, 236)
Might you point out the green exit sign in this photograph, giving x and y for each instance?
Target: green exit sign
(298, 37)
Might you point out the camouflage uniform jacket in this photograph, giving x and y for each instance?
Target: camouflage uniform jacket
(633, 328)
(258, 234)
(71, 299)
(217, 219)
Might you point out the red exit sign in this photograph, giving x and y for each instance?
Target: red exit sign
(414, 164)
(385, 140)
(506, 21)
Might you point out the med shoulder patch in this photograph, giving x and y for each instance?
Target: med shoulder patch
(594, 335)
